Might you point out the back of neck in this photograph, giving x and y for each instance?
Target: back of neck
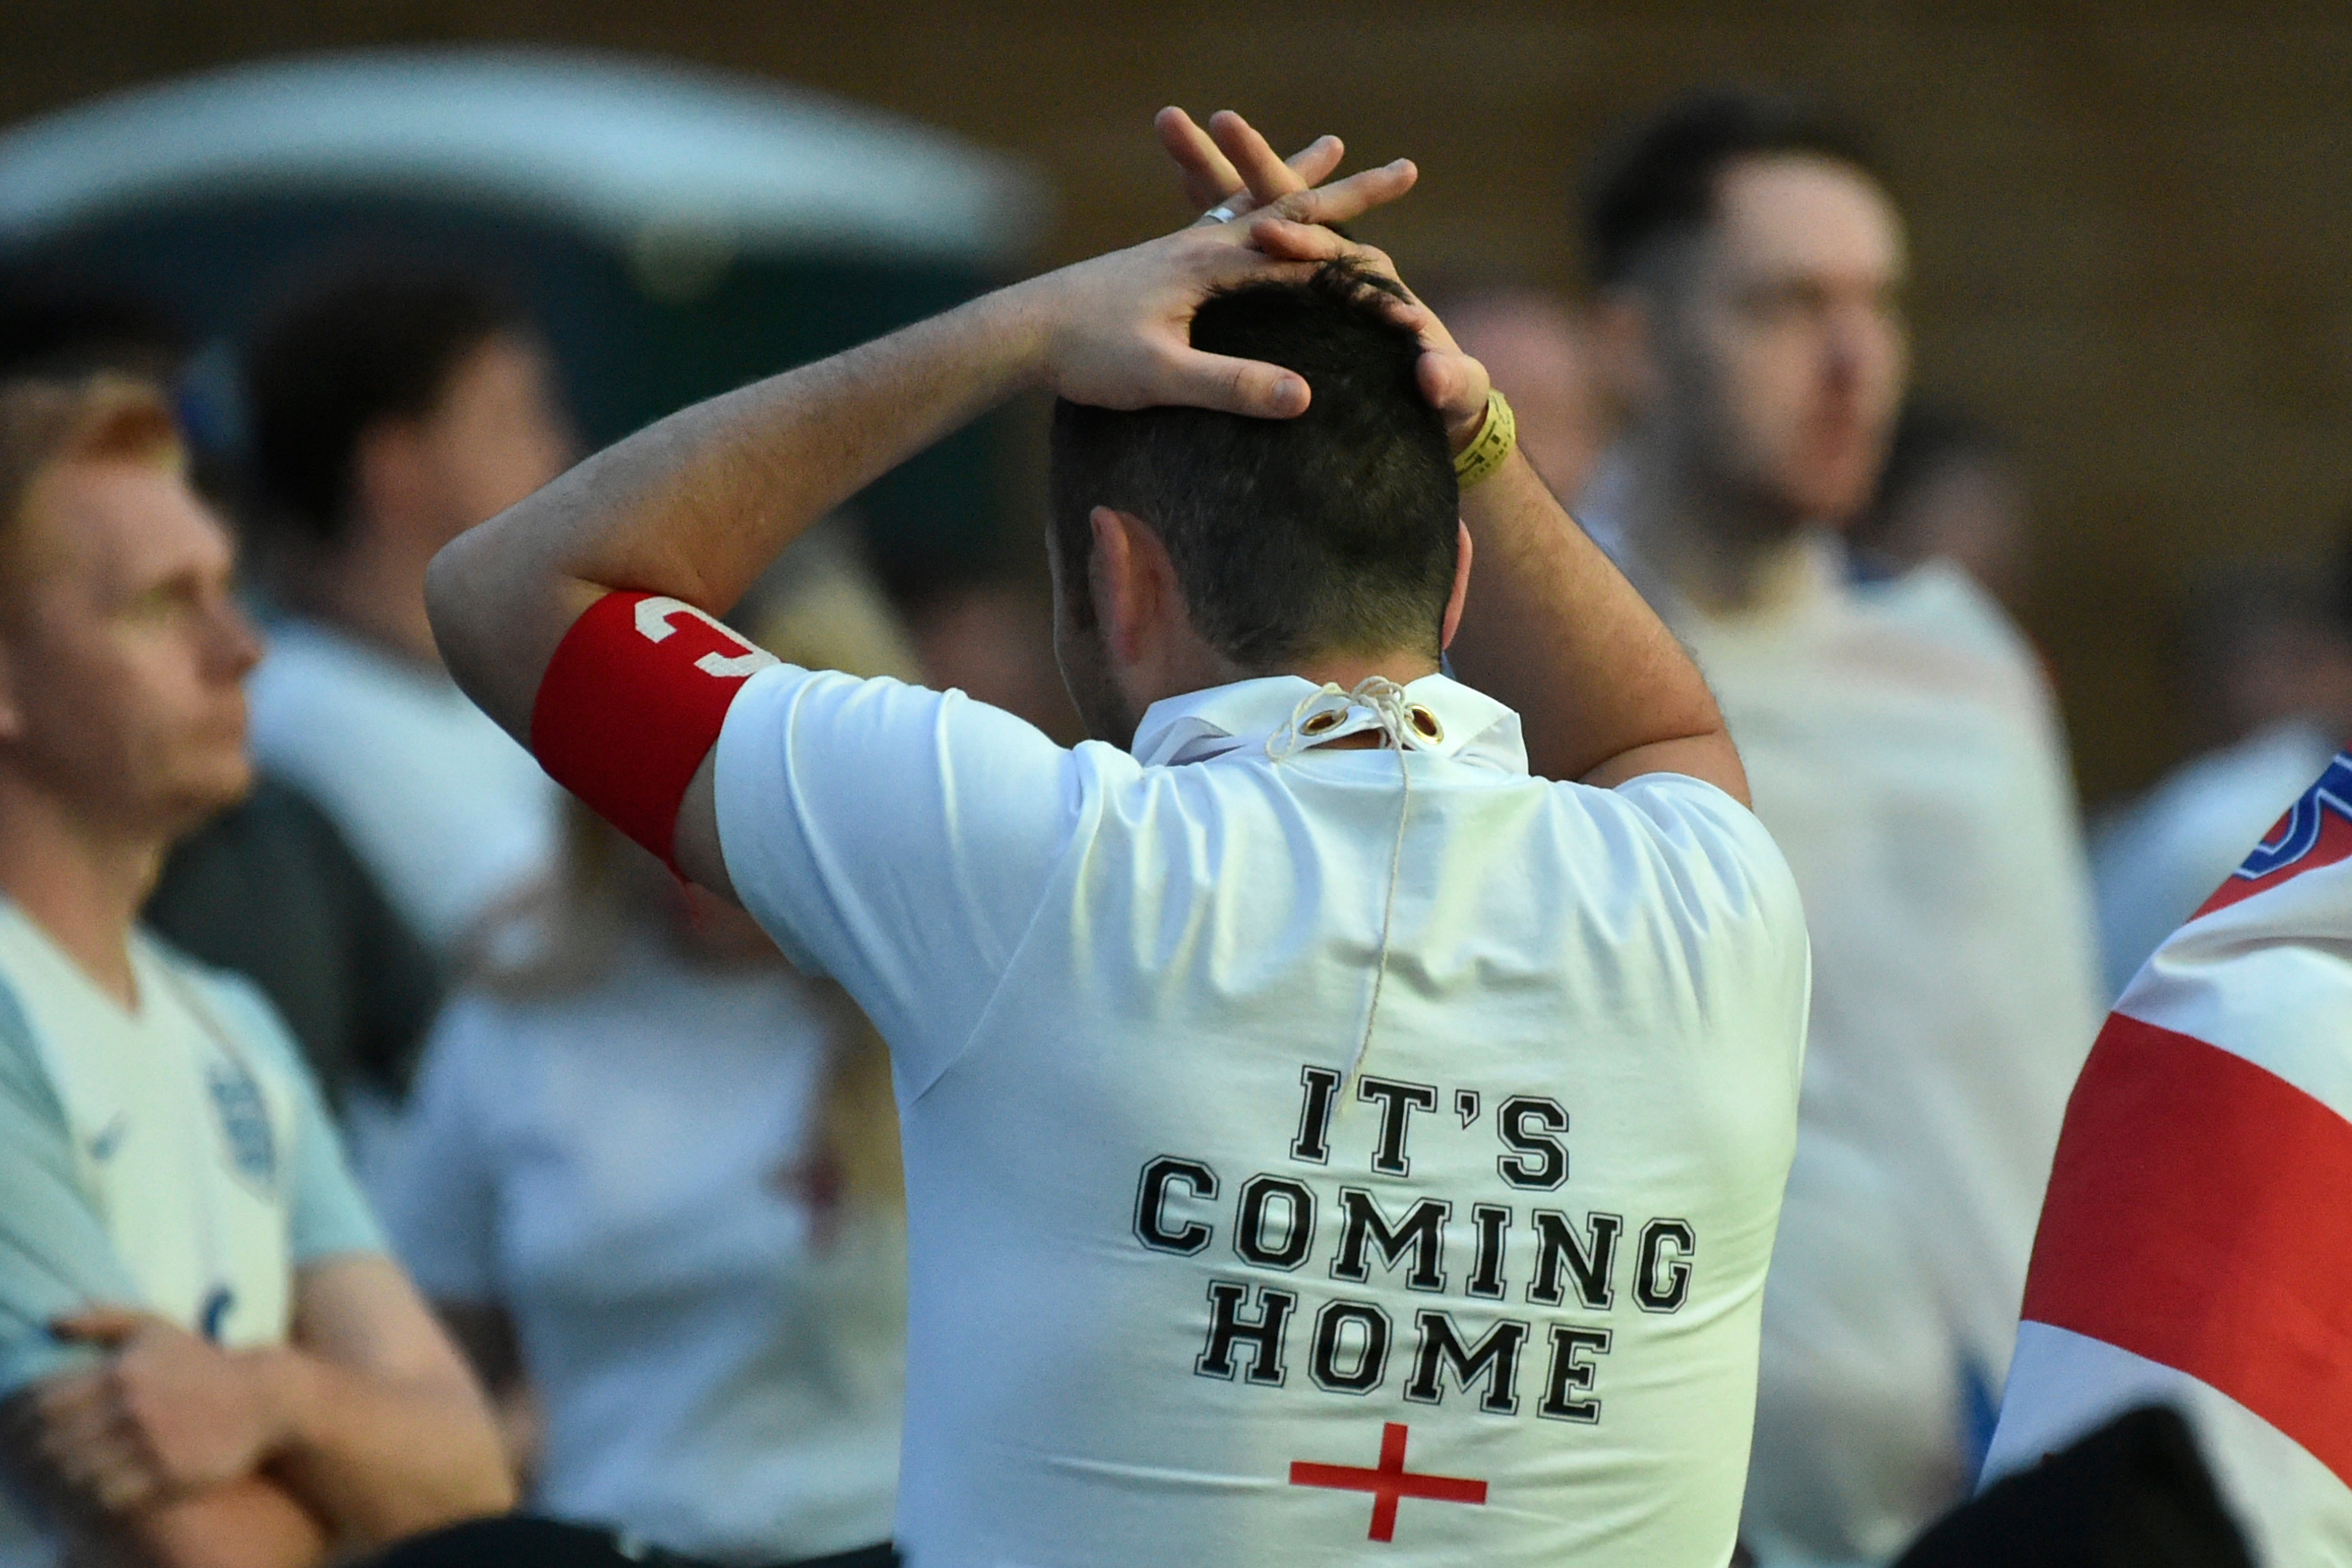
(1347, 671)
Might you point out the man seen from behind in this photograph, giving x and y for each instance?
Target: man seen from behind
(1340, 1103)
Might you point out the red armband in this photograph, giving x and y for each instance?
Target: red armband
(631, 703)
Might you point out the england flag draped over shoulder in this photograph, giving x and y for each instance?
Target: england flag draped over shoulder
(2196, 1245)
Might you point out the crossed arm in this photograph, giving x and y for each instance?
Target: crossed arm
(364, 1428)
(695, 505)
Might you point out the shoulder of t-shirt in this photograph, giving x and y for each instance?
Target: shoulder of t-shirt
(1708, 822)
(1006, 733)
(1679, 793)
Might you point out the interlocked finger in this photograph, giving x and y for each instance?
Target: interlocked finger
(1267, 176)
(1211, 181)
(1204, 172)
(1342, 200)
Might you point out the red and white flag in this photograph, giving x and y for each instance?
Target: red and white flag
(2196, 1245)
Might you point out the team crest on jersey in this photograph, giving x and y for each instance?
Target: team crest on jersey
(2316, 831)
(244, 1121)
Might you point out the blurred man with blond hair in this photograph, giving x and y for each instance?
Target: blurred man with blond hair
(1905, 756)
(204, 1355)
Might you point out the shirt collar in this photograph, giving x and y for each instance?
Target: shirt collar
(1243, 716)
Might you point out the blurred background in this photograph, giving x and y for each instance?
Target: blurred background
(2130, 225)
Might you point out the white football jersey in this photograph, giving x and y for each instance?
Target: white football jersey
(1306, 1147)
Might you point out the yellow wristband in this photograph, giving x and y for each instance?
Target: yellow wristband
(1486, 450)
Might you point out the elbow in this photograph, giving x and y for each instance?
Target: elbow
(473, 1482)
(445, 604)
(486, 1488)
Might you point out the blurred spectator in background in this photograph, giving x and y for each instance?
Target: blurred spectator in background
(205, 1356)
(992, 639)
(1903, 751)
(1950, 491)
(388, 413)
(1532, 343)
(651, 1176)
(267, 887)
(2265, 664)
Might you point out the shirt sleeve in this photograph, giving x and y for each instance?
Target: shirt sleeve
(439, 1184)
(1734, 899)
(898, 839)
(326, 1215)
(55, 1255)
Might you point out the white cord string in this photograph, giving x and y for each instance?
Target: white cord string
(1327, 714)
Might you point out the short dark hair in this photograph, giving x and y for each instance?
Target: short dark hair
(356, 348)
(47, 328)
(1335, 531)
(1655, 184)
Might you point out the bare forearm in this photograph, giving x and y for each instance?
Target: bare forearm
(380, 1460)
(696, 505)
(248, 1523)
(1553, 630)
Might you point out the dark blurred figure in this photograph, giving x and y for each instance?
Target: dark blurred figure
(1904, 750)
(991, 638)
(1952, 491)
(268, 888)
(389, 411)
(47, 328)
(2133, 1494)
(2264, 666)
(1532, 343)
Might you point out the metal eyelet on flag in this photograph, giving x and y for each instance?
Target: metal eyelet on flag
(1425, 723)
(1322, 723)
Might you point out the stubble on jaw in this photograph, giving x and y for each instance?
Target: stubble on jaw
(1083, 661)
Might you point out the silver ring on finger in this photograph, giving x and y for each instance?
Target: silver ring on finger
(1223, 212)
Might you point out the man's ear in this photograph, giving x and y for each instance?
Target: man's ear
(1624, 328)
(1454, 601)
(1133, 580)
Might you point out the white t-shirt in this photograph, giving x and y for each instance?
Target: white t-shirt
(614, 1167)
(438, 801)
(174, 1157)
(1178, 1296)
(1902, 747)
(2161, 857)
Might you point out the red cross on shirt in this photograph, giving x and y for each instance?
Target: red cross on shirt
(1389, 1483)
